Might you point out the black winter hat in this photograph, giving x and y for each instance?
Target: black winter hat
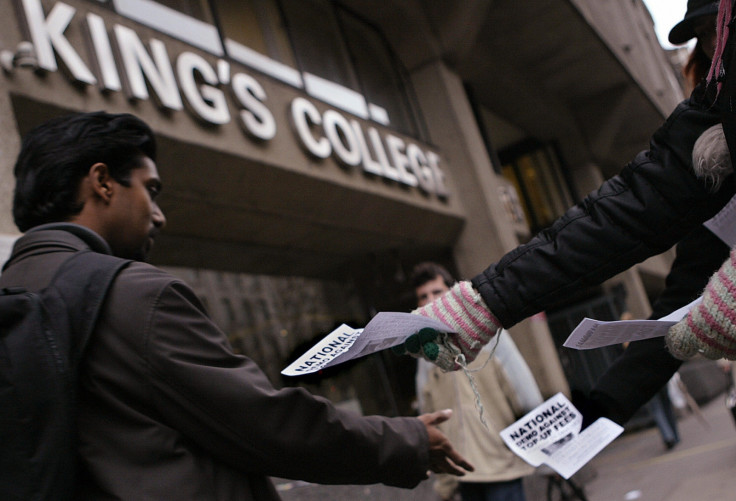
(683, 31)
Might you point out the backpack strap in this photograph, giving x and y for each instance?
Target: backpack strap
(82, 283)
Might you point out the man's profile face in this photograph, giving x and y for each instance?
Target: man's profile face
(429, 291)
(136, 217)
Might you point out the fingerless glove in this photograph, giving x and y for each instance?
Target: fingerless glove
(710, 326)
(463, 310)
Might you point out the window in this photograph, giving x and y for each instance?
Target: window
(319, 48)
(317, 45)
(198, 9)
(377, 70)
(535, 170)
(256, 24)
(336, 45)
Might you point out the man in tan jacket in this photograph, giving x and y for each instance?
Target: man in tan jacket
(498, 471)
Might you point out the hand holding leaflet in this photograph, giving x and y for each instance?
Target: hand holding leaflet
(591, 333)
(385, 330)
(595, 334)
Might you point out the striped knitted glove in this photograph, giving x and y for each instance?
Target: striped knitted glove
(710, 327)
(462, 309)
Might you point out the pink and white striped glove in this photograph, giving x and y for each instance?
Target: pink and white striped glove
(462, 309)
(709, 328)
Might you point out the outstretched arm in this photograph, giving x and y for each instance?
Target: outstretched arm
(653, 203)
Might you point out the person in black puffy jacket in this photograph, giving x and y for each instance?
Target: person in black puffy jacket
(655, 202)
(652, 204)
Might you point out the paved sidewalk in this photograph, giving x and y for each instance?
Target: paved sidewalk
(635, 467)
(702, 466)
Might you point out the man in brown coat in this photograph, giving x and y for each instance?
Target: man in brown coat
(166, 410)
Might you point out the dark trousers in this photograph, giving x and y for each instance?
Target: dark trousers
(661, 409)
(513, 490)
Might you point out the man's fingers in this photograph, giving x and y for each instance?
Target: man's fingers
(435, 418)
(451, 462)
(443, 458)
(457, 462)
(444, 465)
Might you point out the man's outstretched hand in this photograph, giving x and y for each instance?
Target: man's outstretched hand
(443, 458)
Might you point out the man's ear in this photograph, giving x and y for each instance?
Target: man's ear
(100, 181)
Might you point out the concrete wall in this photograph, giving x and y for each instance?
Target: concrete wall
(487, 234)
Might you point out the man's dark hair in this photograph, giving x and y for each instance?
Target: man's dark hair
(428, 271)
(56, 155)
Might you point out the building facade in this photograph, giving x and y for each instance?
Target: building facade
(312, 151)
